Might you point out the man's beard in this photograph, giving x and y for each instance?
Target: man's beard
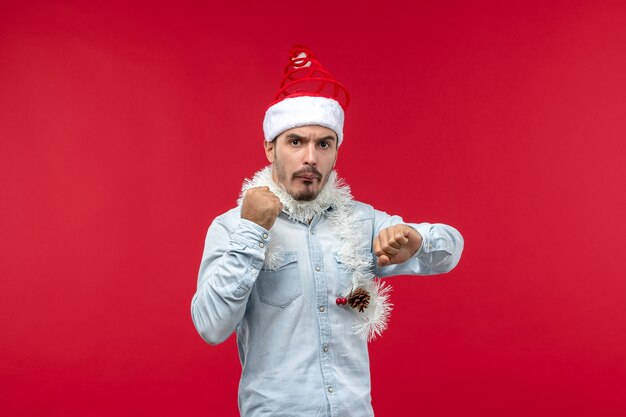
(307, 194)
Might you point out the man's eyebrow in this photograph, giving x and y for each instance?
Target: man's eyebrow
(294, 136)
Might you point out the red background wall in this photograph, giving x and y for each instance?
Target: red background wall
(126, 127)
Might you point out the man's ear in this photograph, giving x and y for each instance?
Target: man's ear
(269, 150)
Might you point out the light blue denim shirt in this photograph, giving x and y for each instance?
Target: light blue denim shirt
(298, 352)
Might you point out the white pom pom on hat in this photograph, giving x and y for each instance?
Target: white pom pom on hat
(308, 95)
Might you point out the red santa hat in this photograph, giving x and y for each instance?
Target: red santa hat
(308, 95)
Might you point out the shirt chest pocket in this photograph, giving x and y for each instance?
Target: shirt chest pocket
(281, 286)
(344, 274)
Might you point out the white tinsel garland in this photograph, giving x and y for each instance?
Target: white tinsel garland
(355, 251)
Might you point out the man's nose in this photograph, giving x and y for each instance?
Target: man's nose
(310, 154)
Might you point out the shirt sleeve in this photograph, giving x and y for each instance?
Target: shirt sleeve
(440, 252)
(230, 266)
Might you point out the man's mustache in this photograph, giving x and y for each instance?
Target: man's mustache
(308, 170)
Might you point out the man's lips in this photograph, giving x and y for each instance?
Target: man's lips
(308, 174)
(308, 177)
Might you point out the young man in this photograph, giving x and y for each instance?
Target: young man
(292, 268)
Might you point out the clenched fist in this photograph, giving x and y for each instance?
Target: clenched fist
(261, 206)
(396, 244)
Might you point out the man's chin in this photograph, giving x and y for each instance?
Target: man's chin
(305, 196)
(305, 191)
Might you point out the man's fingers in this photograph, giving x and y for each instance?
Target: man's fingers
(261, 206)
(383, 251)
(382, 248)
(389, 243)
(395, 244)
(402, 238)
(383, 260)
(263, 189)
(390, 250)
(393, 237)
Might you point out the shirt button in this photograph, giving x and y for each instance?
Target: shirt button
(322, 309)
(261, 245)
(265, 235)
(317, 268)
(330, 389)
(325, 349)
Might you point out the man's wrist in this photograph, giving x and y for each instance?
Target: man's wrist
(252, 234)
(416, 241)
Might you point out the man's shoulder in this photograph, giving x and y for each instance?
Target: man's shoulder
(362, 210)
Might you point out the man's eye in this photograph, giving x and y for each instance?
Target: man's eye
(295, 141)
(324, 144)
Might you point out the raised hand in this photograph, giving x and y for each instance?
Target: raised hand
(396, 244)
(261, 206)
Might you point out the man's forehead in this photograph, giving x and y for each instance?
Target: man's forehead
(315, 131)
